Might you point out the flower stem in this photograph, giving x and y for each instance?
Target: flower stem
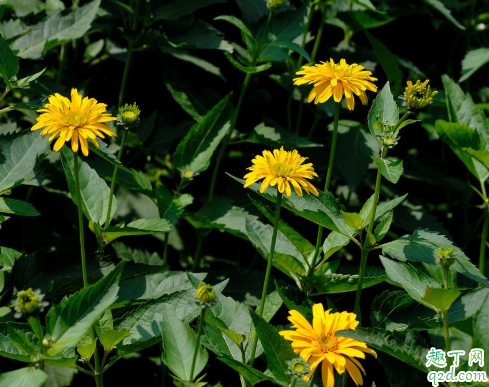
(165, 249)
(80, 219)
(7, 89)
(114, 178)
(485, 227)
(446, 331)
(198, 251)
(197, 344)
(332, 152)
(319, 35)
(125, 75)
(261, 307)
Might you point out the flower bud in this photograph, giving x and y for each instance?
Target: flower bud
(418, 96)
(275, 5)
(445, 256)
(128, 115)
(298, 367)
(205, 294)
(187, 173)
(29, 303)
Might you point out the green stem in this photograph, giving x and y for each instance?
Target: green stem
(444, 273)
(7, 89)
(114, 178)
(319, 238)
(361, 274)
(227, 139)
(80, 219)
(319, 35)
(234, 119)
(197, 344)
(485, 227)
(446, 331)
(198, 251)
(165, 249)
(125, 76)
(264, 292)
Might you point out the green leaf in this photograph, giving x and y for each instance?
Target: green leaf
(247, 69)
(383, 208)
(24, 83)
(330, 283)
(179, 343)
(94, 190)
(171, 206)
(20, 155)
(411, 279)
(468, 305)
(421, 247)
(17, 207)
(68, 321)
(176, 9)
(137, 227)
(277, 349)
(473, 61)
(353, 220)
(440, 7)
(246, 33)
(87, 346)
(323, 210)
(407, 347)
(334, 242)
(9, 65)
(390, 168)
(383, 227)
(197, 147)
(55, 30)
(21, 341)
(103, 151)
(25, 377)
(481, 333)
(384, 111)
(216, 323)
(251, 375)
(440, 299)
(59, 377)
(387, 60)
(111, 338)
(272, 137)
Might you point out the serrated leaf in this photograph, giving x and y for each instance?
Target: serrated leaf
(9, 65)
(440, 7)
(197, 147)
(87, 345)
(179, 343)
(17, 207)
(390, 168)
(473, 61)
(271, 136)
(421, 247)
(94, 190)
(110, 338)
(24, 377)
(384, 111)
(276, 348)
(20, 155)
(20, 340)
(353, 220)
(334, 242)
(407, 347)
(69, 321)
(440, 299)
(24, 83)
(247, 69)
(56, 30)
(383, 227)
(136, 227)
(251, 375)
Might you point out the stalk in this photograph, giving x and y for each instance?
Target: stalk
(485, 227)
(234, 119)
(332, 152)
(446, 332)
(197, 344)
(80, 220)
(366, 244)
(259, 311)
(114, 178)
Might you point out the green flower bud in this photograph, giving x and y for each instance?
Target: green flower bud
(298, 367)
(128, 115)
(445, 256)
(205, 294)
(29, 303)
(418, 96)
(187, 173)
(275, 5)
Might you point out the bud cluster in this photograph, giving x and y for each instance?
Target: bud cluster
(418, 96)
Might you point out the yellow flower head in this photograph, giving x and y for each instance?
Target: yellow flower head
(334, 79)
(318, 343)
(76, 120)
(283, 169)
(419, 95)
(205, 294)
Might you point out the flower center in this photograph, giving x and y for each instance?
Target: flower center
(299, 368)
(75, 118)
(282, 169)
(327, 343)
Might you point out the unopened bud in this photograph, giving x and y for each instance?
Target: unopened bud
(205, 294)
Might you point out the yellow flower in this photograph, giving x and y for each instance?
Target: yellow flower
(282, 169)
(76, 120)
(419, 95)
(318, 343)
(332, 79)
